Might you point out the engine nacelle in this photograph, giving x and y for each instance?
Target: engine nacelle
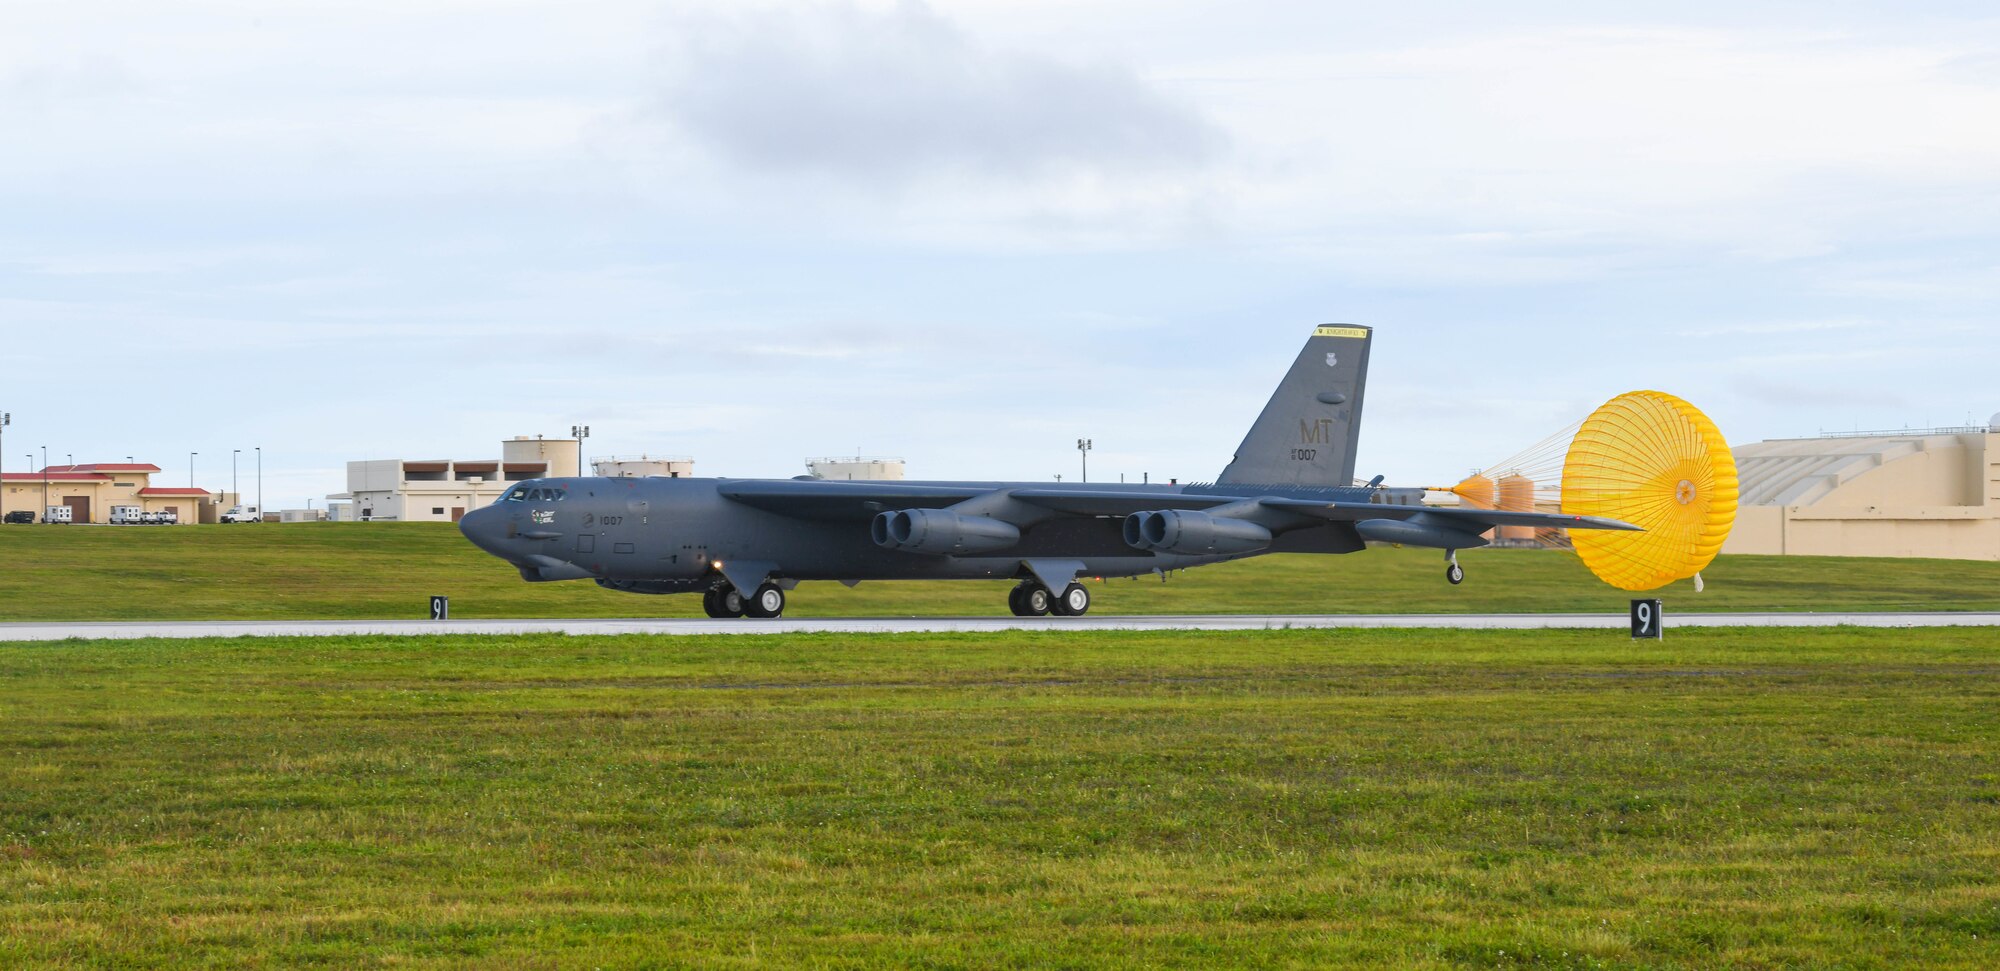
(942, 532)
(1194, 533)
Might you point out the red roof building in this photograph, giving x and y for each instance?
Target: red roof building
(91, 490)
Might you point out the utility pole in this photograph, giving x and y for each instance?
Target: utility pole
(579, 432)
(260, 485)
(191, 456)
(6, 418)
(45, 483)
(1083, 447)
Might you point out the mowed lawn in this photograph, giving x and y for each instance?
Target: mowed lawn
(1413, 799)
(385, 570)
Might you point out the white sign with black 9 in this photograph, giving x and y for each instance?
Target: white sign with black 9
(441, 609)
(1646, 620)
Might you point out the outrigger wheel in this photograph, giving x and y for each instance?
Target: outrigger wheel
(1655, 461)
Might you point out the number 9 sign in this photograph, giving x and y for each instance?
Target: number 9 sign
(1646, 620)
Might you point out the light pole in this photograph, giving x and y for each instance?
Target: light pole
(6, 418)
(45, 483)
(260, 484)
(191, 456)
(1083, 447)
(579, 432)
(31, 464)
(233, 494)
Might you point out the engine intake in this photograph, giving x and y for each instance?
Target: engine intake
(1196, 533)
(941, 532)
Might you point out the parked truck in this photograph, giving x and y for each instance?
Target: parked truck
(126, 515)
(57, 514)
(241, 514)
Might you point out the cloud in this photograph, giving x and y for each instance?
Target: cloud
(884, 97)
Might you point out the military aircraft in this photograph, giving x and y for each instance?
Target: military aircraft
(744, 543)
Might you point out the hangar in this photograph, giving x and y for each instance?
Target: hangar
(1932, 492)
(444, 490)
(91, 490)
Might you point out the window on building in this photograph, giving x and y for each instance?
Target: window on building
(437, 510)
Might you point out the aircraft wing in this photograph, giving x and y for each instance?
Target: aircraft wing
(843, 501)
(820, 499)
(1476, 520)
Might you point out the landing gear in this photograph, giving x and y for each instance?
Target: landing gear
(767, 602)
(1074, 602)
(1030, 599)
(722, 601)
(1454, 572)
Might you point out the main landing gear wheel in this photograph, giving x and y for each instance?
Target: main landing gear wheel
(767, 602)
(1074, 602)
(1030, 600)
(723, 602)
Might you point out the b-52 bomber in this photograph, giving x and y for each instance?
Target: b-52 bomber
(743, 544)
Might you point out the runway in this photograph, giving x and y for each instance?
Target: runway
(50, 631)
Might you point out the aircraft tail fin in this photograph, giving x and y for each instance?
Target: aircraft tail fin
(1307, 433)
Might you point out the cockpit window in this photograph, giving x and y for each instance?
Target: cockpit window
(536, 494)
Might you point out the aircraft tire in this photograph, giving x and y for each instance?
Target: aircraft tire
(1030, 600)
(766, 603)
(1455, 573)
(722, 602)
(1074, 602)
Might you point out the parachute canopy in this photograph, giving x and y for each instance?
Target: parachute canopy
(1655, 461)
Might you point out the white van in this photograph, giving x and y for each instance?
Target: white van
(241, 514)
(126, 516)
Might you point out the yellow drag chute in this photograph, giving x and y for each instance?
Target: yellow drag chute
(1655, 461)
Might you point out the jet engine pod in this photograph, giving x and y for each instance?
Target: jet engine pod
(1195, 533)
(941, 532)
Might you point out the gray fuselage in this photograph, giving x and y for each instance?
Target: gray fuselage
(667, 535)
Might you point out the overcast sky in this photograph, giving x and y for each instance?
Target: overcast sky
(968, 233)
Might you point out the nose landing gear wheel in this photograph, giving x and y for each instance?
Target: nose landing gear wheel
(1455, 573)
(1074, 602)
(722, 602)
(1030, 600)
(767, 602)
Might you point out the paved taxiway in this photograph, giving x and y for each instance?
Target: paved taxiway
(884, 625)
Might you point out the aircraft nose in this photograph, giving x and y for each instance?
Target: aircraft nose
(486, 528)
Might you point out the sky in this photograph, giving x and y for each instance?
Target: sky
(969, 233)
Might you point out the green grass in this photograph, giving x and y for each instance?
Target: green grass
(379, 570)
(1411, 799)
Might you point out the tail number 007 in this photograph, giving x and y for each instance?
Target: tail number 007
(1304, 454)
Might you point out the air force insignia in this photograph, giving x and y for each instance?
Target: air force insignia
(1332, 359)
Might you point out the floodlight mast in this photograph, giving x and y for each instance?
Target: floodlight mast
(1083, 447)
(579, 432)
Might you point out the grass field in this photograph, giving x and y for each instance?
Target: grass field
(1728, 798)
(380, 570)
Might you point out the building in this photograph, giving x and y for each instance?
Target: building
(444, 490)
(855, 467)
(1928, 492)
(626, 466)
(91, 490)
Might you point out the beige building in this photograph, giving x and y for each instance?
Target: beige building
(855, 467)
(635, 466)
(91, 490)
(444, 490)
(1930, 492)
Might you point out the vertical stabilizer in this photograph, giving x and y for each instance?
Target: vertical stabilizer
(1308, 430)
